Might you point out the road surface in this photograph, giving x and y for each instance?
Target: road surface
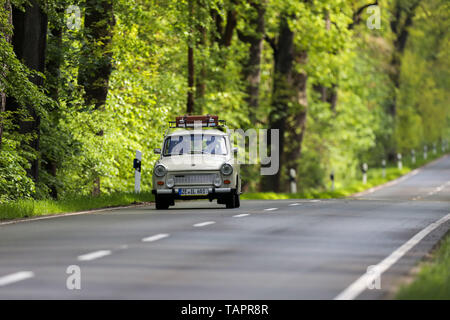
(283, 249)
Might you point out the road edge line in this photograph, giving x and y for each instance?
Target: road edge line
(360, 285)
(68, 214)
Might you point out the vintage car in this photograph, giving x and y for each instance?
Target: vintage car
(197, 161)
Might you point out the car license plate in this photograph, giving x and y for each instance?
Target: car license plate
(193, 191)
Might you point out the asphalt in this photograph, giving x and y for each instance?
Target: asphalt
(301, 249)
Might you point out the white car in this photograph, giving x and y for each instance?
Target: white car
(197, 164)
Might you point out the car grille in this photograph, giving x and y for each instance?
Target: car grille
(194, 179)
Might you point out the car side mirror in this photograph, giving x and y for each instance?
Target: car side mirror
(235, 150)
(157, 151)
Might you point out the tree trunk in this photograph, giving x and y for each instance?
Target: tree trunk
(223, 36)
(297, 122)
(54, 57)
(283, 63)
(328, 95)
(289, 104)
(402, 20)
(230, 26)
(29, 42)
(252, 67)
(53, 66)
(96, 65)
(200, 81)
(191, 68)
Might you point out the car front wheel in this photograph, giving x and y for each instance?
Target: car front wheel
(161, 203)
(233, 201)
(237, 200)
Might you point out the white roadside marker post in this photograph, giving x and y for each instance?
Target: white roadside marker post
(293, 180)
(383, 165)
(137, 171)
(413, 156)
(399, 161)
(425, 149)
(434, 148)
(364, 169)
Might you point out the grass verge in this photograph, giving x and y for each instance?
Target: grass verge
(375, 178)
(433, 280)
(32, 208)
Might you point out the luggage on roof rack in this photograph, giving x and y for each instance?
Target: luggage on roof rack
(188, 121)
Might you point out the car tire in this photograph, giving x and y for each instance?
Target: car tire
(161, 203)
(231, 201)
(237, 200)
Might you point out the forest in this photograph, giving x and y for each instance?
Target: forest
(86, 83)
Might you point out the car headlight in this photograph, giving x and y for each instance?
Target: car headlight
(170, 182)
(160, 170)
(226, 169)
(217, 181)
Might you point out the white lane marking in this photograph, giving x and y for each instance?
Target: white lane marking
(241, 215)
(15, 277)
(202, 224)
(315, 200)
(357, 287)
(94, 255)
(294, 204)
(434, 191)
(439, 189)
(156, 237)
(270, 209)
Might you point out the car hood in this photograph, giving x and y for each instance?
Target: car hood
(193, 162)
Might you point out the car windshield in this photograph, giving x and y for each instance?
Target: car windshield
(195, 144)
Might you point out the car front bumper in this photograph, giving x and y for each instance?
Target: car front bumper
(174, 191)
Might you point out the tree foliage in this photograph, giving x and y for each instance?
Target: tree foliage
(311, 68)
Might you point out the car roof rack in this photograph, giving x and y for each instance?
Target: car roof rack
(189, 121)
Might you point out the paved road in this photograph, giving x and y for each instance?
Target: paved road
(285, 249)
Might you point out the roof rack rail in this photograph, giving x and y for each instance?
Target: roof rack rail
(189, 121)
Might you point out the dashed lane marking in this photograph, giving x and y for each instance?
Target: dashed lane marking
(203, 224)
(156, 237)
(94, 255)
(15, 277)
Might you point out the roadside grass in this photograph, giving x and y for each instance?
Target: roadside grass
(433, 280)
(32, 208)
(374, 178)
